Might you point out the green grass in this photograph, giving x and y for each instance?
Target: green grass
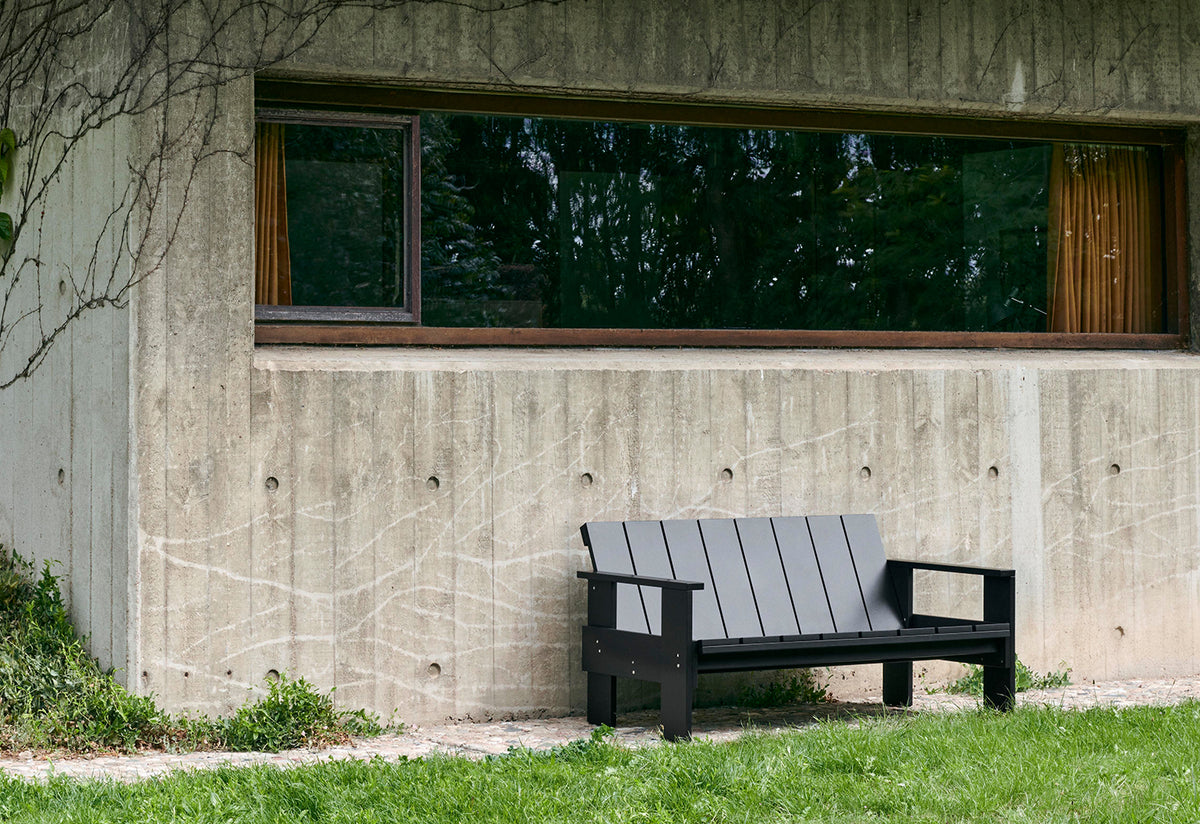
(1032, 765)
(54, 696)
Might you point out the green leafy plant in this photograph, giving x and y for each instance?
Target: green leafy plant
(1027, 679)
(599, 742)
(8, 146)
(799, 687)
(53, 695)
(292, 714)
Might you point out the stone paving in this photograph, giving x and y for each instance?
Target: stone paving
(480, 739)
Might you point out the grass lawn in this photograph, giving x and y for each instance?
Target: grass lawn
(1031, 765)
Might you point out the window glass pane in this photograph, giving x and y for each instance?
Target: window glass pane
(539, 222)
(345, 212)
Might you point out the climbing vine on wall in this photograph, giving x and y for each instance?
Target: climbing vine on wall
(8, 145)
(80, 71)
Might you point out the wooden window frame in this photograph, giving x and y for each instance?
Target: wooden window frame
(410, 313)
(392, 327)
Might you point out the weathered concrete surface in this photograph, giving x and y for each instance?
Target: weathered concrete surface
(1108, 58)
(192, 417)
(355, 572)
(364, 576)
(368, 576)
(65, 432)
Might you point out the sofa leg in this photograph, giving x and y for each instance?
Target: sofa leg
(898, 684)
(999, 687)
(602, 699)
(677, 696)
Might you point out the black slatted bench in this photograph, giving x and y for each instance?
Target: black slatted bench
(671, 599)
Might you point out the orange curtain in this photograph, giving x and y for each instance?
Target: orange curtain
(1104, 246)
(272, 262)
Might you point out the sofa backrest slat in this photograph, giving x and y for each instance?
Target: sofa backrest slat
(691, 564)
(650, 559)
(803, 575)
(731, 581)
(837, 570)
(761, 576)
(879, 596)
(767, 579)
(610, 553)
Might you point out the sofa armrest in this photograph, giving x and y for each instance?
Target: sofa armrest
(640, 580)
(965, 569)
(999, 591)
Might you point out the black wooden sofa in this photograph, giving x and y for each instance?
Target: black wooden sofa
(671, 599)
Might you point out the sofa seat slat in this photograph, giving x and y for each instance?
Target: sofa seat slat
(955, 628)
(720, 642)
(899, 637)
(918, 619)
(690, 563)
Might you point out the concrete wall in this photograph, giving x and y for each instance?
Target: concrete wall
(286, 510)
(64, 432)
(370, 575)
(1103, 58)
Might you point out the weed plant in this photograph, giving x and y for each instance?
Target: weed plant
(292, 714)
(1027, 679)
(1102, 766)
(797, 687)
(54, 696)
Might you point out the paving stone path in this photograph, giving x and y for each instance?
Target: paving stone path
(479, 739)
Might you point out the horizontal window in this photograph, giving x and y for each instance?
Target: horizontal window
(521, 225)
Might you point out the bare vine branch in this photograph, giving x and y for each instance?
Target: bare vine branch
(74, 69)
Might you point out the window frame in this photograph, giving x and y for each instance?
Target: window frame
(410, 312)
(363, 104)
